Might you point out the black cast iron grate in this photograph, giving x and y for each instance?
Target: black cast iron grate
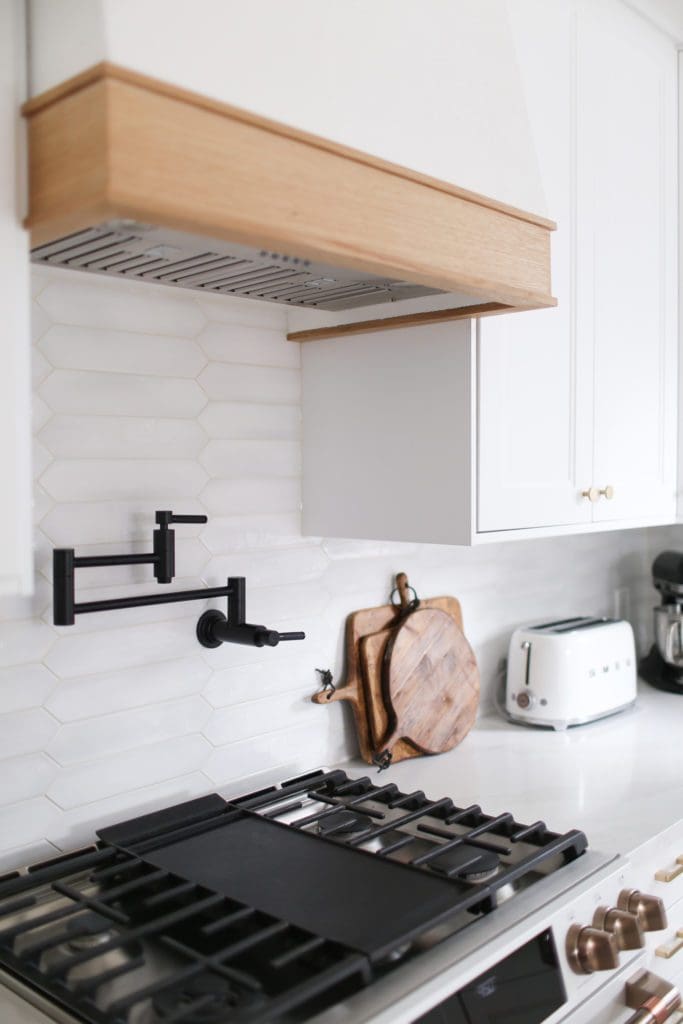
(219, 912)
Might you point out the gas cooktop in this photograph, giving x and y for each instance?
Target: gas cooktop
(270, 907)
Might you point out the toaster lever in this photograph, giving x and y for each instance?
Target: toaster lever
(526, 646)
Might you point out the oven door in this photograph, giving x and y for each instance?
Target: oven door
(524, 988)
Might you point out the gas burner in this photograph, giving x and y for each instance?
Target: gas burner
(343, 823)
(469, 863)
(88, 932)
(206, 999)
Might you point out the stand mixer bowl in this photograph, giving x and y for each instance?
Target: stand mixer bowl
(668, 621)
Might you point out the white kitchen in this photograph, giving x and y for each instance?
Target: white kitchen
(341, 529)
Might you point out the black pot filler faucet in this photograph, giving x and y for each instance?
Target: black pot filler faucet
(213, 629)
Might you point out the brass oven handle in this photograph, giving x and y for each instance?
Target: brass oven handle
(653, 998)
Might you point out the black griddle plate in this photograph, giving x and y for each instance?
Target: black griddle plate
(368, 903)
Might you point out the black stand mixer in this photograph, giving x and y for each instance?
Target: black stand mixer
(663, 666)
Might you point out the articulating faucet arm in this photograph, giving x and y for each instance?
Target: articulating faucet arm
(65, 563)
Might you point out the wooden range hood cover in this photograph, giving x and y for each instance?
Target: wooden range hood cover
(114, 145)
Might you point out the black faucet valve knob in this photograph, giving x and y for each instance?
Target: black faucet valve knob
(206, 627)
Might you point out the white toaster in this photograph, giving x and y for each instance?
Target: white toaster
(570, 671)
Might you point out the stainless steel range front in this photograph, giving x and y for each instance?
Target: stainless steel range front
(327, 898)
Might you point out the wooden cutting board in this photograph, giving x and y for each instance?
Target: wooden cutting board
(430, 683)
(371, 655)
(365, 695)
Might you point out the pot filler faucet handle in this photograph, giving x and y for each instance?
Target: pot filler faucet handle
(164, 543)
(214, 628)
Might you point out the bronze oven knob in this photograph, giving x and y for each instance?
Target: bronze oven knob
(625, 926)
(649, 909)
(591, 949)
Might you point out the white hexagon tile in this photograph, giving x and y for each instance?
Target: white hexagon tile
(148, 397)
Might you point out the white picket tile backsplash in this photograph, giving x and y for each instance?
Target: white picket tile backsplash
(252, 345)
(121, 394)
(91, 739)
(223, 497)
(147, 397)
(90, 696)
(119, 305)
(119, 479)
(243, 459)
(25, 686)
(114, 437)
(240, 383)
(151, 763)
(24, 777)
(23, 732)
(85, 348)
(244, 420)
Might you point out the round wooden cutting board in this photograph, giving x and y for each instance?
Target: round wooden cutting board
(431, 682)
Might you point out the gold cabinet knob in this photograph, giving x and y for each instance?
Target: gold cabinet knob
(591, 949)
(649, 910)
(624, 926)
(606, 492)
(593, 494)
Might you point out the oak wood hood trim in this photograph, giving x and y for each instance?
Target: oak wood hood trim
(111, 143)
(436, 316)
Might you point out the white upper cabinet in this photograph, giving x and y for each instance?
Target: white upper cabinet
(533, 434)
(627, 226)
(584, 396)
(15, 504)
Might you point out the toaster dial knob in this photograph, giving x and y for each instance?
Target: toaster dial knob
(591, 949)
(525, 700)
(649, 910)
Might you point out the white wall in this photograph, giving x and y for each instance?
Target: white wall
(432, 85)
(15, 441)
(148, 397)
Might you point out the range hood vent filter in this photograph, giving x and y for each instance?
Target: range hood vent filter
(127, 249)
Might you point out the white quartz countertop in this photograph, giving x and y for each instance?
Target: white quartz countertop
(620, 779)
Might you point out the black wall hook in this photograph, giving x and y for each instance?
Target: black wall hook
(213, 627)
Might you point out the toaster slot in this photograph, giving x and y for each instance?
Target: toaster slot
(585, 624)
(526, 647)
(556, 624)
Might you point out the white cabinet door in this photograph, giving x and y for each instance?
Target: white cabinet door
(626, 147)
(585, 395)
(534, 383)
(15, 500)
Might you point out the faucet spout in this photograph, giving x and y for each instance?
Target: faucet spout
(214, 629)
